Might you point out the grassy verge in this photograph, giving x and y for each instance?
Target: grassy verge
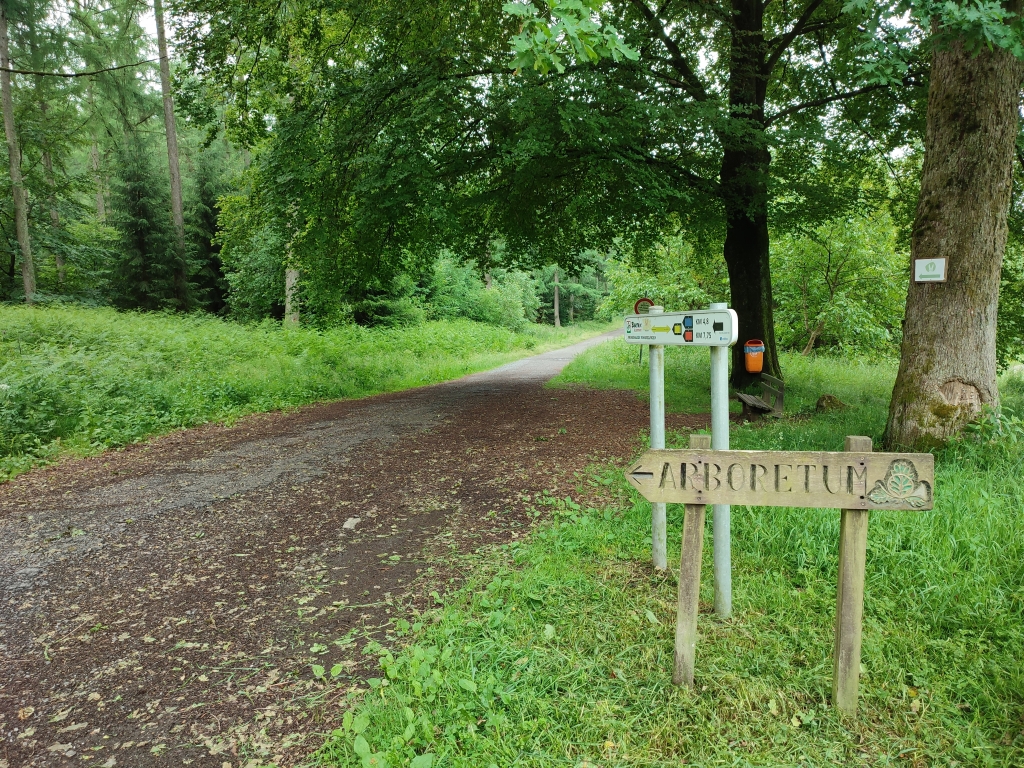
(860, 384)
(559, 653)
(82, 380)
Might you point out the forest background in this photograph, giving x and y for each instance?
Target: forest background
(405, 172)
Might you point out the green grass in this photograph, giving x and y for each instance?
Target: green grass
(559, 651)
(81, 380)
(861, 384)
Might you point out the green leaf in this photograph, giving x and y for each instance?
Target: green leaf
(518, 9)
(360, 723)
(318, 671)
(549, 632)
(469, 685)
(336, 670)
(422, 761)
(651, 617)
(361, 747)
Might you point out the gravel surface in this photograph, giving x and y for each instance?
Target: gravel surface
(163, 605)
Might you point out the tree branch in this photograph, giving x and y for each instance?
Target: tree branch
(693, 85)
(75, 74)
(822, 101)
(673, 81)
(789, 37)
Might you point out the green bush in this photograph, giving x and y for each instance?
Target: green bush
(389, 312)
(1010, 324)
(455, 289)
(252, 253)
(840, 285)
(84, 379)
(677, 278)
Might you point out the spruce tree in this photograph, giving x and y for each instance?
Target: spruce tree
(144, 270)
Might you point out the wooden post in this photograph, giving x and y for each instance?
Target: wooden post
(689, 583)
(853, 540)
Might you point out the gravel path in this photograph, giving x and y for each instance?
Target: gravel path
(163, 605)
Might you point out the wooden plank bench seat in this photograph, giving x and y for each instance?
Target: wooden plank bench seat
(771, 402)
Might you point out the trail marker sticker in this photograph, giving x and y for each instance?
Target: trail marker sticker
(699, 328)
(929, 270)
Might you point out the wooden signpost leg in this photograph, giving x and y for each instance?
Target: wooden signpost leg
(689, 583)
(853, 540)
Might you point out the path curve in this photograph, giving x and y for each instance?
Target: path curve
(164, 605)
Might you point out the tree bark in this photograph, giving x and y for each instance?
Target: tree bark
(744, 191)
(94, 156)
(51, 200)
(291, 298)
(558, 319)
(94, 160)
(28, 274)
(177, 209)
(815, 332)
(58, 260)
(948, 359)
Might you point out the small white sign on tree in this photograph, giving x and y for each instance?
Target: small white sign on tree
(929, 270)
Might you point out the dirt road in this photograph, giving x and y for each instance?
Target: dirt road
(164, 605)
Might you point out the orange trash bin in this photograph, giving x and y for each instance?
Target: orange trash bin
(753, 355)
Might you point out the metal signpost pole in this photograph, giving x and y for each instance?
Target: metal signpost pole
(717, 328)
(720, 442)
(659, 525)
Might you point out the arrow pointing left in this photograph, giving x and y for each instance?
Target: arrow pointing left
(639, 477)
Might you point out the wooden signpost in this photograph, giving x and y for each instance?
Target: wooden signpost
(855, 481)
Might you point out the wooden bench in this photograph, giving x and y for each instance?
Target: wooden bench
(770, 404)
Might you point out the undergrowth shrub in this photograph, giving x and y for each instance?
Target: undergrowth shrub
(86, 379)
(455, 289)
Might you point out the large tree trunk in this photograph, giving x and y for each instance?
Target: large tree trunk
(744, 189)
(28, 273)
(177, 209)
(948, 358)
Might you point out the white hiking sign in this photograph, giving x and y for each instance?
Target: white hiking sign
(700, 328)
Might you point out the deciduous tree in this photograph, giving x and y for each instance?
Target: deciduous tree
(398, 128)
(28, 274)
(948, 356)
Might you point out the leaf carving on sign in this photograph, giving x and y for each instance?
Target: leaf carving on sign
(900, 486)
